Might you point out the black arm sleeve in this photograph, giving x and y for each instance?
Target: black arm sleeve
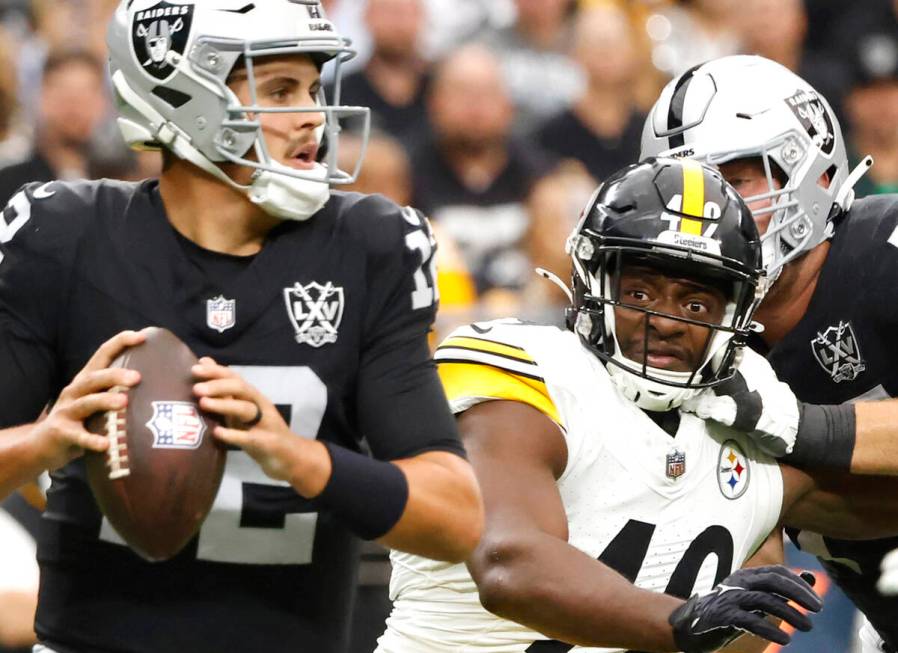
(30, 294)
(402, 408)
(826, 436)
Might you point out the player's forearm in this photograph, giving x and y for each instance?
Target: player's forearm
(860, 438)
(443, 517)
(20, 459)
(544, 583)
(876, 442)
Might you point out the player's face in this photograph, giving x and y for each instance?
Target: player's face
(288, 81)
(747, 176)
(665, 343)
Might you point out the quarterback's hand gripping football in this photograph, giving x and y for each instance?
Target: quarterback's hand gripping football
(740, 604)
(252, 422)
(753, 401)
(62, 436)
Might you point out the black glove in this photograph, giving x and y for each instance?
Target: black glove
(739, 604)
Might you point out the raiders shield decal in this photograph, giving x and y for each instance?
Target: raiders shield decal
(813, 116)
(837, 351)
(315, 311)
(156, 31)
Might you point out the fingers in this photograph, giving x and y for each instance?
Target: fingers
(111, 349)
(236, 437)
(777, 607)
(240, 410)
(776, 579)
(84, 407)
(101, 380)
(758, 625)
(88, 441)
(232, 386)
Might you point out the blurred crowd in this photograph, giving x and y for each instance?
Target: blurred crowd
(495, 117)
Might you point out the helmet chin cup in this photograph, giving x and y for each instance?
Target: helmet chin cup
(649, 394)
(288, 198)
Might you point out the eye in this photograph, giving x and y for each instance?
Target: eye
(696, 307)
(637, 296)
(314, 89)
(279, 94)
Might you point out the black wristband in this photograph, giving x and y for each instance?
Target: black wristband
(826, 436)
(367, 495)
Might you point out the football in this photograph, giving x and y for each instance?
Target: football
(157, 480)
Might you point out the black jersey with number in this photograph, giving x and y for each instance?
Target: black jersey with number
(845, 348)
(329, 320)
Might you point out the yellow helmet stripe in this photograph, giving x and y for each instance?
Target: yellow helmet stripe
(693, 197)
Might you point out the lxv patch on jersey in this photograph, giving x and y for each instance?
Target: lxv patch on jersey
(315, 311)
(838, 352)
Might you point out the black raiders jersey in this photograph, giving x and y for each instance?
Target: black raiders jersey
(845, 349)
(329, 320)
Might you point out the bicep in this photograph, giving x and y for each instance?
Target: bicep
(27, 377)
(839, 504)
(402, 409)
(517, 454)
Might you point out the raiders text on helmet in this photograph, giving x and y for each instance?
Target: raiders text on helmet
(680, 217)
(170, 62)
(747, 106)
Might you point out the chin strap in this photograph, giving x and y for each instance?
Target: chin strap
(554, 278)
(845, 196)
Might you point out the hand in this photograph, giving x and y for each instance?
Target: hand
(739, 604)
(753, 401)
(888, 581)
(61, 436)
(254, 424)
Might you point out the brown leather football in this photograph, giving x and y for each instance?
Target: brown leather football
(158, 479)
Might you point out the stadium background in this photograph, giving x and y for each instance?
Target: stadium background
(496, 117)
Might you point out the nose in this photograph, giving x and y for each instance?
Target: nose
(666, 327)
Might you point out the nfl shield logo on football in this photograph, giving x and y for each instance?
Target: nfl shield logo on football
(315, 311)
(176, 425)
(733, 470)
(676, 464)
(221, 313)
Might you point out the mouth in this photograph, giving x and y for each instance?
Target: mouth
(303, 157)
(662, 358)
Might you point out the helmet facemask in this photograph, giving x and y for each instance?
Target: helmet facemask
(194, 113)
(598, 266)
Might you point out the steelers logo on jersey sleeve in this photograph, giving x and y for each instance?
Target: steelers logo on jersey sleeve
(732, 470)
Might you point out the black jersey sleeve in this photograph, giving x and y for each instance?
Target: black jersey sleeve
(35, 246)
(402, 408)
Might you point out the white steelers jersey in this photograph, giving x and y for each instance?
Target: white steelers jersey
(671, 514)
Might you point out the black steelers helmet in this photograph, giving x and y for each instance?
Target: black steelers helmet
(679, 217)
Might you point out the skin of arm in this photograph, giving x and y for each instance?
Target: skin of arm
(840, 504)
(876, 447)
(443, 517)
(524, 567)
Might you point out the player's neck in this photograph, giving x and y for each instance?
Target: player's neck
(789, 298)
(212, 214)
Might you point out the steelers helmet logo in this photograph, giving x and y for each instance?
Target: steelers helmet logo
(157, 31)
(733, 470)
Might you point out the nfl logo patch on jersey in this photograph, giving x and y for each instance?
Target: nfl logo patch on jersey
(676, 464)
(837, 351)
(733, 470)
(176, 425)
(221, 313)
(315, 311)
